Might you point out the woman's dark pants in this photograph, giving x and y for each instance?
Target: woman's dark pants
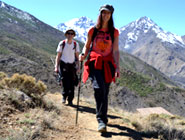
(101, 91)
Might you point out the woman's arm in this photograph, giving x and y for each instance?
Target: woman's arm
(116, 55)
(86, 48)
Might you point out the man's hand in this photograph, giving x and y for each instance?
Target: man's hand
(56, 69)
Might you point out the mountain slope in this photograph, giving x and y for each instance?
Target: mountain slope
(27, 44)
(16, 24)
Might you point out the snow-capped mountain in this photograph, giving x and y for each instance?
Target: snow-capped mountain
(80, 25)
(130, 33)
(163, 50)
(183, 38)
(16, 12)
(2, 4)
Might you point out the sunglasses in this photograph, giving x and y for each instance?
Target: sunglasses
(69, 33)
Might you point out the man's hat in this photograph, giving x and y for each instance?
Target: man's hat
(70, 30)
(107, 7)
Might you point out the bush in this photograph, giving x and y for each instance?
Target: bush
(2, 75)
(26, 84)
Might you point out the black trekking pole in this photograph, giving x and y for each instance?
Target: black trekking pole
(79, 91)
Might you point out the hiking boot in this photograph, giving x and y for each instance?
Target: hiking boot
(102, 128)
(63, 100)
(70, 103)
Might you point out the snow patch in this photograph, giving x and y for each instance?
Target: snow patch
(2, 4)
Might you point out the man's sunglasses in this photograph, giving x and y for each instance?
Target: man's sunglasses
(69, 33)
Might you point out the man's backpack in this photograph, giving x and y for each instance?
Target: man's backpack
(63, 45)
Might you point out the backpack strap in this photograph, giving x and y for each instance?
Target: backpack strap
(93, 37)
(64, 42)
(94, 34)
(96, 31)
(63, 45)
(74, 45)
(112, 36)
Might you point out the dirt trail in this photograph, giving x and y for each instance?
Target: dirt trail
(86, 129)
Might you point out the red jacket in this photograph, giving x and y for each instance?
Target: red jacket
(98, 65)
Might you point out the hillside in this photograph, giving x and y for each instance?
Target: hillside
(34, 114)
(27, 44)
(141, 85)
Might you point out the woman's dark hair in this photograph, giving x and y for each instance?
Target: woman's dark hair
(110, 23)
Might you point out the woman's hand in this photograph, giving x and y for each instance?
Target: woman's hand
(117, 73)
(81, 57)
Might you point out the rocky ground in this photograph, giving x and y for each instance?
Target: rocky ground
(45, 125)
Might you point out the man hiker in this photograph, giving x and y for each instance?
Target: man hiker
(65, 64)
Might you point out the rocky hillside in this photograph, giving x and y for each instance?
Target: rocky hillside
(141, 85)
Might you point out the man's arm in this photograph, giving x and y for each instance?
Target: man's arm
(57, 61)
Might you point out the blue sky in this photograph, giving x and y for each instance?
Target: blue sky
(168, 14)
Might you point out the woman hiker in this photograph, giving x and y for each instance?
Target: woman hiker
(102, 65)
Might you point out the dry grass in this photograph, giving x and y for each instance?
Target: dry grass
(32, 125)
(36, 114)
(26, 84)
(25, 113)
(161, 126)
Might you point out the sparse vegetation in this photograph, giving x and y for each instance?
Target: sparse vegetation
(34, 123)
(141, 84)
(23, 94)
(26, 84)
(161, 126)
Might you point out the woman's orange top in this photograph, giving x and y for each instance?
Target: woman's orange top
(101, 52)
